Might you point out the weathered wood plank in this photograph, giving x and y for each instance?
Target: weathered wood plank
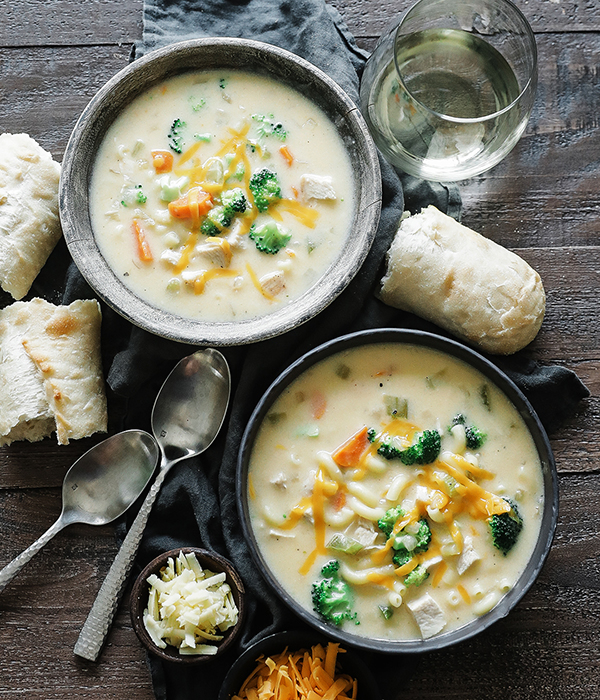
(544, 15)
(43, 91)
(43, 608)
(65, 22)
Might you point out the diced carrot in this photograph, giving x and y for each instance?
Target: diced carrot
(349, 453)
(318, 404)
(338, 500)
(162, 161)
(143, 247)
(285, 152)
(193, 205)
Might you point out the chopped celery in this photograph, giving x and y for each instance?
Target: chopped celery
(395, 406)
(342, 543)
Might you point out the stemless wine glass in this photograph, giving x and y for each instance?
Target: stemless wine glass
(448, 91)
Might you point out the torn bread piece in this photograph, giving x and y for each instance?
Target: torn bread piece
(29, 221)
(51, 372)
(474, 288)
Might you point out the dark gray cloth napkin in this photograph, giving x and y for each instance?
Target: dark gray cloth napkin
(196, 505)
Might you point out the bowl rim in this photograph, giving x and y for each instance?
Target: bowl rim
(296, 639)
(139, 600)
(191, 55)
(524, 408)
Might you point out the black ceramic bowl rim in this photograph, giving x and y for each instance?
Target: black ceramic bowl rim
(350, 662)
(218, 53)
(514, 394)
(139, 600)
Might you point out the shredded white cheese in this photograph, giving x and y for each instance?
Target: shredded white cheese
(189, 607)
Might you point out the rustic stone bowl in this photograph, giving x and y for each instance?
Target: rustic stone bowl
(209, 54)
(139, 601)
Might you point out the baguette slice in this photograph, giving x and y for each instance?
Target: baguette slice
(56, 350)
(29, 222)
(477, 290)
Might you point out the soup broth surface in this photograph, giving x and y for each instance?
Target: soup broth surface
(175, 212)
(320, 488)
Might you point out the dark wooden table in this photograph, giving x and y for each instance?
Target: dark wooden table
(543, 201)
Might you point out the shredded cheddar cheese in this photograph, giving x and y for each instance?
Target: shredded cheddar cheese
(299, 675)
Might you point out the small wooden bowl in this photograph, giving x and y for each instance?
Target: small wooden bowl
(139, 601)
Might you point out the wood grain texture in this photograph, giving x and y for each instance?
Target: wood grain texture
(542, 201)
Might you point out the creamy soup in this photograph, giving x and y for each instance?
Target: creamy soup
(221, 195)
(400, 464)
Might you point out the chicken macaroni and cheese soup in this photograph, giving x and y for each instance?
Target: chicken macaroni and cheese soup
(395, 491)
(221, 196)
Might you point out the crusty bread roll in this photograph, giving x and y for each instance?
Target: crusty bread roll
(463, 282)
(50, 371)
(29, 223)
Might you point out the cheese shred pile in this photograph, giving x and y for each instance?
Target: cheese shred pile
(189, 607)
(299, 675)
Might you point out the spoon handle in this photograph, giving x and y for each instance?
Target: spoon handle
(97, 625)
(13, 567)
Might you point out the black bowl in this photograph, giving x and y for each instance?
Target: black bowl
(139, 601)
(349, 662)
(512, 392)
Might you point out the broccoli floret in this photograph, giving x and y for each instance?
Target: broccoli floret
(371, 434)
(424, 451)
(423, 537)
(175, 138)
(332, 596)
(475, 436)
(386, 524)
(234, 201)
(388, 451)
(506, 527)
(265, 188)
(416, 576)
(270, 237)
(267, 126)
(216, 220)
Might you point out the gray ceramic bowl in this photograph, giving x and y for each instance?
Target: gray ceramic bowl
(139, 601)
(214, 54)
(513, 393)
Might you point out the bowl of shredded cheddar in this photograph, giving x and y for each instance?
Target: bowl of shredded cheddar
(187, 605)
(298, 664)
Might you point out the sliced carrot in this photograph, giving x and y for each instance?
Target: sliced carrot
(349, 454)
(285, 152)
(162, 161)
(193, 205)
(318, 404)
(143, 247)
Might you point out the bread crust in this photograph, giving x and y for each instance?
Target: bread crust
(29, 221)
(51, 363)
(465, 283)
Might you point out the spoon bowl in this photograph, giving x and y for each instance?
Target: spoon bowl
(181, 429)
(98, 488)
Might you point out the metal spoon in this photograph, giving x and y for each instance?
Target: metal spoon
(187, 416)
(99, 487)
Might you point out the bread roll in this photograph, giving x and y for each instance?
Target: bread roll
(469, 285)
(50, 371)
(29, 223)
